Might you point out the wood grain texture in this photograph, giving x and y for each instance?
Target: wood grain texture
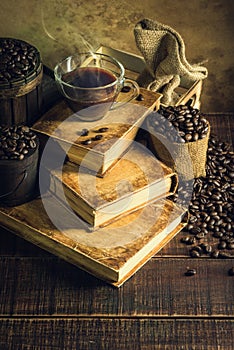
(159, 289)
(116, 334)
(222, 125)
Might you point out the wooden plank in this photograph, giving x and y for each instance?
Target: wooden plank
(107, 333)
(51, 286)
(33, 106)
(12, 245)
(5, 111)
(19, 109)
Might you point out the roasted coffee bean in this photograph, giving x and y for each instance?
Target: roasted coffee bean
(194, 253)
(222, 245)
(126, 88)
(140, 97)
(32, 144)
(231, 271)
(215, 254)
(230, 245)
(103, 129)
(25, 129)
(97, 137)
(207, 248)
(21, 156)
(185, 239)
(84, 132)
(86, 142)
(188, 137)
(190, 272)
(200, 235)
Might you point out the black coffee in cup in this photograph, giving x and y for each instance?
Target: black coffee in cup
(91, 87)
(90, 77)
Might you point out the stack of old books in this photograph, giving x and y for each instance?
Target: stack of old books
(106, 201)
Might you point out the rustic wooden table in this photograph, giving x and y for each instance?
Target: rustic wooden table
(46, 303)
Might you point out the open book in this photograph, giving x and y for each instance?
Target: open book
(98, 144)
(137, 179)
(112, 253)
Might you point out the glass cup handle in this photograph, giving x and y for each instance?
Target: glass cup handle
(131, 95)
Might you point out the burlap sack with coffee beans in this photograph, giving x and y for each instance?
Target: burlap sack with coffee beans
(163, 50)
(188, 159)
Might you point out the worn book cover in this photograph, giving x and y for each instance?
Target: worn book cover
(112, 253)
(98, 144)
(137, 179)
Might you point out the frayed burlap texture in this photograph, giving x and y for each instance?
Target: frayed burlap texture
(163, 50)
(187, 159)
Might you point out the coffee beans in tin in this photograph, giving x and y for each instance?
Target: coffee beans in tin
(18, 164)
(18, 60)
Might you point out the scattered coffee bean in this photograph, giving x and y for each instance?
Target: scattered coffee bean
(126, 88)
(185, 239)
(104, 129)
(97, 137)
(86, 142)
(231, 271)
(140, 97)
(194, 253)
(190, 272)
(84, 132)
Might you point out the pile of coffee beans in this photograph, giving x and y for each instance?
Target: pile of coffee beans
(179, 123)
(18, 60)
(210, 230)
(17, 142)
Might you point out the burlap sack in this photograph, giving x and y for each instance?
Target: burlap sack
(187, 159)
(163, 50)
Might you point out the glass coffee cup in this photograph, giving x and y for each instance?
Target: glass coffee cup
(91, 83)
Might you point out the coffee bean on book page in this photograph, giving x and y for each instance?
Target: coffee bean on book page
(102, 130)
(86, 142)
(84, 132)
(190, 272)
(97, 137)
(140, 97)
(126, 88)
